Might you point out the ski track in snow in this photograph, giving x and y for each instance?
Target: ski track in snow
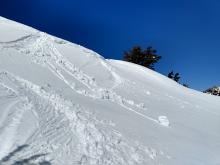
(63, 126)
(62, 131)
(43, 52)
(6, 111)
(7, 135)
(93, 145)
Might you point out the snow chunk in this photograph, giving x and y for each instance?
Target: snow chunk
(163, 120)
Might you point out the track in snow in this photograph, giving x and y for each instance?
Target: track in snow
(8, 133)
(65, 129)
(42, 51)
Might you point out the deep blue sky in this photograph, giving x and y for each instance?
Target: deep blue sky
(186, 33)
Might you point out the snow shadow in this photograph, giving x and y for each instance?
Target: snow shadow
(27, 161)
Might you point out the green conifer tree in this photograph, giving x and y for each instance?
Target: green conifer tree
(147, 57)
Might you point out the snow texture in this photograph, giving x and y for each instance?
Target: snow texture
(61, 103)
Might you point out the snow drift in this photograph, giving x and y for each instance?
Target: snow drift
(61, 103)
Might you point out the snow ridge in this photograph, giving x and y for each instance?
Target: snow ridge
(61, 103)
(42, 51)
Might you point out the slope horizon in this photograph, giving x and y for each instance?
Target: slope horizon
(185, 33)
(113, 59)
(164, 74)
(58, 108)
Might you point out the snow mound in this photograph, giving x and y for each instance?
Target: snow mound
(164, 121)
(61, 103)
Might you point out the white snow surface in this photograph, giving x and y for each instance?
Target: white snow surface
(63, 104)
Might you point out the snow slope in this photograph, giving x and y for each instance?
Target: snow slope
(61, 103)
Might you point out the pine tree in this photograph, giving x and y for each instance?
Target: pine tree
(170, 75)
(176, 77)
(145, 58)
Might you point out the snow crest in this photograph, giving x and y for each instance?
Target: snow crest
(42, 51)
(61, 103)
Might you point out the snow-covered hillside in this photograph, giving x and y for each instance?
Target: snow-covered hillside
(63, 104)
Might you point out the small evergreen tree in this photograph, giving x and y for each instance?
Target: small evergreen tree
(170, 75)
(176, 77)
(142, 57)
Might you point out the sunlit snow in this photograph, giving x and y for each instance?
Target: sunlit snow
(63, 104)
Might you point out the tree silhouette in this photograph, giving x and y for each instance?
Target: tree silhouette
(185, 85)
(170, 75)
(175, 77)
(147, 57)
